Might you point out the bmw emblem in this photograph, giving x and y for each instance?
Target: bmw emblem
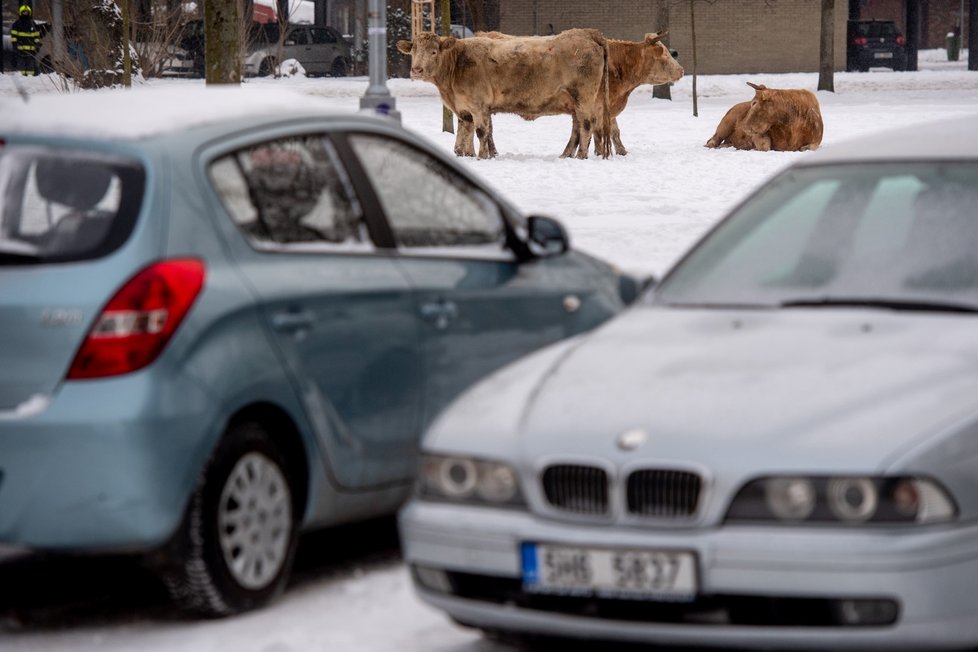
(632, 439)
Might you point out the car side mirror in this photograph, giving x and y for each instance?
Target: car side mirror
(631, 286)
(546, 236)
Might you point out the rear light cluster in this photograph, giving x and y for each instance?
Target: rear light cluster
(900, 40)
(860, 40)
(138, 321)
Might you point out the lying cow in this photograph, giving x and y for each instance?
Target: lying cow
(631, 64)
(530, 76)
(778, 119)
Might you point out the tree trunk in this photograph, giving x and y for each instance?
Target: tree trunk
(972, 34)
(826, 57)
(660, 22)
(692, 32)
(913, 32)
(222, 47)
(126, 53)
(447, 125)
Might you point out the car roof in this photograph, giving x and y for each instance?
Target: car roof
(148, 112)
(954, 139)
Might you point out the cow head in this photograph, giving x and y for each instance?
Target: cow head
(424, 51)
(760, 116)
(658, 63)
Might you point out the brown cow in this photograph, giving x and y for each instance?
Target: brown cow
(631, 64)
(786, 120)
(530, 76)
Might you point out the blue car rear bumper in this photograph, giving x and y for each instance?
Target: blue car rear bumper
(106, 464)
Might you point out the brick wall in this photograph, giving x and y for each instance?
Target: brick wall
(732, 36)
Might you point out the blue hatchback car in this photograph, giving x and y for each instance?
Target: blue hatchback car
(226, 316)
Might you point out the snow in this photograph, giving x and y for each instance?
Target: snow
(639, 211)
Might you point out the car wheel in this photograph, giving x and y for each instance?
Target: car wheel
(338, 69)
(239, 536)
(267, 67)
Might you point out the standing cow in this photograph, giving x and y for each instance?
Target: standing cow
(786, 120)
(530, 76)
(631, 64)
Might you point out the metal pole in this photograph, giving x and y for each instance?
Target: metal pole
(377, 98)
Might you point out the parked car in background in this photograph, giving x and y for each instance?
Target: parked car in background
(320, 49)
(460, 31)
(875, 43)
(228, 318)
(777, 447)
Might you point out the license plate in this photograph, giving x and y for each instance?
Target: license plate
(883, 55)
(610, 572)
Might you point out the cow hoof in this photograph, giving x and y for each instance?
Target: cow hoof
(711, 143)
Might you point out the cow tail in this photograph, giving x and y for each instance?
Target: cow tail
(606, 94)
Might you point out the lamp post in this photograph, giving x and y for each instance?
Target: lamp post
(377, 98)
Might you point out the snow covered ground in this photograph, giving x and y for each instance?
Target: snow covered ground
(640, 211)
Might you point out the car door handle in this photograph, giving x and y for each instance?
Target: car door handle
(439, 312)
(292, 321)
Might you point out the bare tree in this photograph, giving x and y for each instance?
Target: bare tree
(692, 31)
(156, 31)
(826, 58)
(660, 22)
(97, 28)
(222, 41)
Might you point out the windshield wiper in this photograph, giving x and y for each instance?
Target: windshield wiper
(917, 305)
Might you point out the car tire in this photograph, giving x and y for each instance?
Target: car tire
(338, 69)
(267, 67)
(235, 549)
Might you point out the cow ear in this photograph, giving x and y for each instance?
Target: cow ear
(404, 47)
(652, 38)
(446, 42)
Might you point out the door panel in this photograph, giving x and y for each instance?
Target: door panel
(342, 315)
(480, 307)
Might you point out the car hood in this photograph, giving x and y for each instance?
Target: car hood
(800, 389)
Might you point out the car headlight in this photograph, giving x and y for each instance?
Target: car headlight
(842, 499)
(464, 479)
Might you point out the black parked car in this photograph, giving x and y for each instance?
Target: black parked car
(875, 43)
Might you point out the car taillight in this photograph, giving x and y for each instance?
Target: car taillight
(138, 321)
(860, 40)
(900, 40)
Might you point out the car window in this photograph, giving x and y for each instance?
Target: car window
(427, 204)
(322, 35)
(58, 206)
(291, 191)
(904, 232)
(298, 37)
(882, 29)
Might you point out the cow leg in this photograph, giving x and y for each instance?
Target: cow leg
(483, 129)
(762, 142)
(575, 137)
(490, 140)
(584, 133)
(616, 138)
(464, 135)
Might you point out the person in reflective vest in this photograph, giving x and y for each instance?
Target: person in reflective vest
(25, 38)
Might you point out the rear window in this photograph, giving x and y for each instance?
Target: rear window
(876, 29)
(60, 206)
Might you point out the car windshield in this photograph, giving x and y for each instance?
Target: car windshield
(59, 206)
(903, 236)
